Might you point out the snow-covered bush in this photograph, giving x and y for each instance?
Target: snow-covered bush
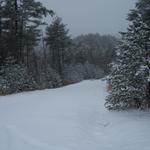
(52, 79)
(14, 78)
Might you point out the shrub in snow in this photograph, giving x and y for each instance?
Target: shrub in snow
(14, 78)
(52, 79)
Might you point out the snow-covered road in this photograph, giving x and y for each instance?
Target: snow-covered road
(70, 118)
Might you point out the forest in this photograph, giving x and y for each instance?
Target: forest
(31, 58)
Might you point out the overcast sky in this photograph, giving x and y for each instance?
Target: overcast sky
(91, 16)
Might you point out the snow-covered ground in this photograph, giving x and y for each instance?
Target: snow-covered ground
(70, 118)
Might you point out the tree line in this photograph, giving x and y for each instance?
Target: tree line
(31, 58)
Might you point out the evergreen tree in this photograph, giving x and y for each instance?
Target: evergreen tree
(20, 26)
(3, 30)
(130, 73)
(58, 40)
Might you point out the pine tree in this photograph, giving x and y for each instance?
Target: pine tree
(3, 30)
(31, 15)
(130, 73)
(57, 39)
(20, 26)
(128, 78)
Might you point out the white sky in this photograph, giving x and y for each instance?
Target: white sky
(91, 16)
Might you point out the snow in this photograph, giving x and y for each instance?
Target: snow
(70, 118)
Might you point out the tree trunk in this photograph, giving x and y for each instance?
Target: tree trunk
(16, 51)
(147, 49)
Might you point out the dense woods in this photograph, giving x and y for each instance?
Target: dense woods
(31, 58)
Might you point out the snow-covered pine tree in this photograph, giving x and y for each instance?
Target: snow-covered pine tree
(128, 78)
(130, 72)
